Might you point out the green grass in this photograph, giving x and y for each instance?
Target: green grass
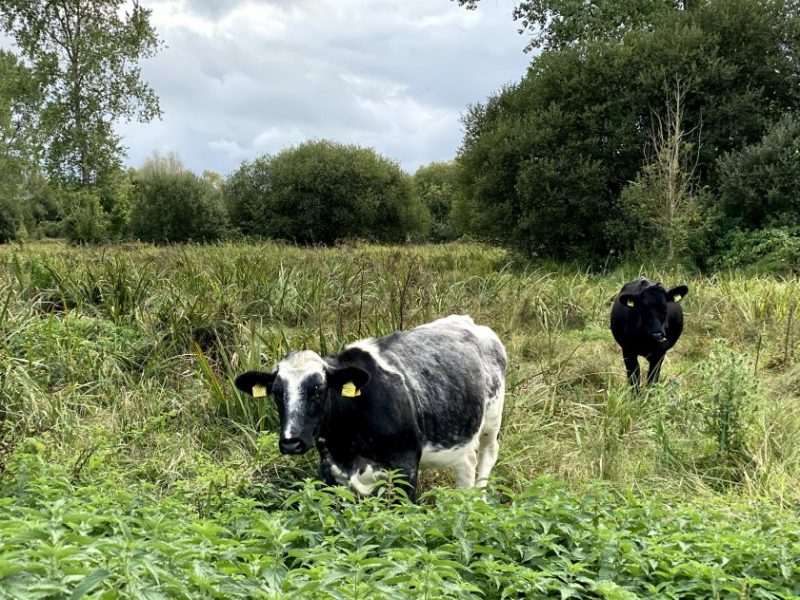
(117, 405)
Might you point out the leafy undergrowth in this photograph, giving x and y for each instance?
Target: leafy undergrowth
(130, 466)
(66, 536)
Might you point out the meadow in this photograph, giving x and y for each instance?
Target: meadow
(131, 467)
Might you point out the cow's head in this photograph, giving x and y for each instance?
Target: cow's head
(301, 385)
(648, 308)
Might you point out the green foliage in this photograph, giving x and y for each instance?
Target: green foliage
(116, 192)
(84, 54)
(18, 94)
(321, 192)
(65, 534)
(544, 161)
(559, 24)
(82, 217)
(728, 404)
(177, 207)
(436, 187)
(10, 218)
(247, 194)
(759, 185)
(772, 250)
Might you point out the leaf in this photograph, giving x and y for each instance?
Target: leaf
(89, 582)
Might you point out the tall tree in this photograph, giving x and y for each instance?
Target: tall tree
(85, 54)
(18, 100)
(544, 161)
(560, 24)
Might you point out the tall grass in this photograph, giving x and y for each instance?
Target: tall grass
(131, 351)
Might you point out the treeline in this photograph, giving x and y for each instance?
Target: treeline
(647, 128)
(319, 192)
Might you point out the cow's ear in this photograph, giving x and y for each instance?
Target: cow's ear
(628, 300)
(256, 383)
(342, 376)
(677, 293)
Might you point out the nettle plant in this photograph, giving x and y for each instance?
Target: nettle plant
(727, 405)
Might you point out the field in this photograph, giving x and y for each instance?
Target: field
(130, 466)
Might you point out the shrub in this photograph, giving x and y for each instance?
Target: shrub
(177, 207)
(435, 187)
(543, 162)
(10, 218)
(759, 186)
(727, 403)
(116, 197)
(772, 250)
(320, 192)
(82, 217)
(247, 196)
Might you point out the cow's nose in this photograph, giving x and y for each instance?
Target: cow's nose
(292, 446)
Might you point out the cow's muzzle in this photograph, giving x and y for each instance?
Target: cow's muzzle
(292, 446)
(660, 339)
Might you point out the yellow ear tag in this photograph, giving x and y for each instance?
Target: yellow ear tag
(349, 390)
(677, 297)
(630, 303)
(259, 391)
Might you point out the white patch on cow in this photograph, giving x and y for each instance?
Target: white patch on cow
(293, 370)
(488, 446)
(461, 459)
(363, 482)
(481, 451)
(450, 320)
(441, 458)
(339, 475)
(370, 347)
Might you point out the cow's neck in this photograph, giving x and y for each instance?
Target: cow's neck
(339, 412)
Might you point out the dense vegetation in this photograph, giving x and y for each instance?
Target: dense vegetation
(545, 163)
(130, 465)
(321, 192)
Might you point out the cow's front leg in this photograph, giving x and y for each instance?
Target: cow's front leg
(325, 470)
(634, 371)
(654, 371)
(408, 465)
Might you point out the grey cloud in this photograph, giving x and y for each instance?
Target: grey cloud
(392, 74)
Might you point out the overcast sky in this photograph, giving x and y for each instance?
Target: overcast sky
(242, 78)
(239, 79)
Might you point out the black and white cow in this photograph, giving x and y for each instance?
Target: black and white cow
(431, 396)
(646, 320)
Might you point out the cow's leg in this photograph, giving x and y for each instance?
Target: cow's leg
(654, 371)
(465, 468)
(488, 446)
(634, 371)
(408, 465)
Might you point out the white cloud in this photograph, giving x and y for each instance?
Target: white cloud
(242, 78)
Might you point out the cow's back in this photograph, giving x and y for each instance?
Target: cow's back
(449, 369)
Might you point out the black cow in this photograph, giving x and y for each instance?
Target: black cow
(431, 396)
(647, 320)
